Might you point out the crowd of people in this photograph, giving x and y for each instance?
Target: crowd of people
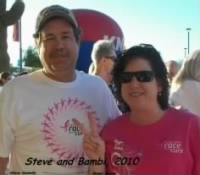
(132, 112)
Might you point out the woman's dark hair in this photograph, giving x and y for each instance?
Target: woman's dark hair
(150, 54)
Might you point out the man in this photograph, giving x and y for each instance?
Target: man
(172, 69)
(103, 56)
(37, 109)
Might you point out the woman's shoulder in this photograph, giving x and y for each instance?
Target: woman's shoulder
(182, 115)
(114, 124)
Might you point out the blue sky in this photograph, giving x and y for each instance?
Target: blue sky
(162, 23)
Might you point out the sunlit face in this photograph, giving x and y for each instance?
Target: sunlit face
(108, 64)
(172, 70)
(58, 48)
(140, 95)
(108, 69)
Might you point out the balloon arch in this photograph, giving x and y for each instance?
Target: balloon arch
(94, 26)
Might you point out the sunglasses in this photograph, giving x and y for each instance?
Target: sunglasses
(111, 57)
(141, 76)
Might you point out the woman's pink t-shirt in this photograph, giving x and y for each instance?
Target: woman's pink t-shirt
(169, 146)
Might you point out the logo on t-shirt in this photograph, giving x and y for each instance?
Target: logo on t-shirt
(71, 128)
(124, 158)
(60, 135)
(175, 147)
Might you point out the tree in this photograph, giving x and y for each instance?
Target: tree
(7, 18)
(31, 58)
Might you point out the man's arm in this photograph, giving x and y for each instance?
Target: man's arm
(6, 127)
(3, 165)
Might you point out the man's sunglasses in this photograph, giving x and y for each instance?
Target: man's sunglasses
(141, 76)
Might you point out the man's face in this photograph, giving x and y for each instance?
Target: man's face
(108, 65)
(172, 70)
(58, 48)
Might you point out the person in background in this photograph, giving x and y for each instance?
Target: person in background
(185, 89)
(103, 56)
(147, 142)
(5, 77)
(172, 69)
(36, 109)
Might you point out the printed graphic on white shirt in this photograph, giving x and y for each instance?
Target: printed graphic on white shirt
(61, 136)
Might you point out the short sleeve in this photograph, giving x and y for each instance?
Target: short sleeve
(6, 127)
(195, 145)
(111, 103)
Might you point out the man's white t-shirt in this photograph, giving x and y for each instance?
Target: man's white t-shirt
(36, 125)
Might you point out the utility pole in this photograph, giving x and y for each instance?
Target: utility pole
(188, 39)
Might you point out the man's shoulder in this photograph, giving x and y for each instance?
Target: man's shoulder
(19, 81)
(90, 78)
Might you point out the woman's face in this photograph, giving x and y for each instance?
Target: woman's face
(139, 86)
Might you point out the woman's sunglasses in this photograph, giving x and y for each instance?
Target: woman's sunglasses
(141, 76)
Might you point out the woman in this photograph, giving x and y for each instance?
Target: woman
(185, 90)
(152, 137)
